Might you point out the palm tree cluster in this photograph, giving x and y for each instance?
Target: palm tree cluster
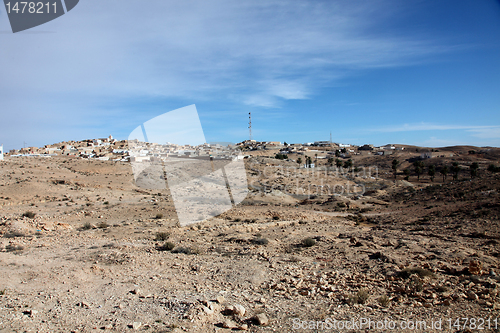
(419, 168)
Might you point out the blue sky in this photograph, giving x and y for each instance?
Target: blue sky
(413, 72)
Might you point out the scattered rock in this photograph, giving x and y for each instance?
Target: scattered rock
(471, 296)
(229, 324)
(243, 327)
(261, 319)
(239, 310)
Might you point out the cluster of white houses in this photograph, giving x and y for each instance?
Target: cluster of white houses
(125, 150)
(324, 146)
(135, 151)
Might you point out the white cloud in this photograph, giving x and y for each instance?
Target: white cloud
(487, 132)
(438, 127)
(268, 51)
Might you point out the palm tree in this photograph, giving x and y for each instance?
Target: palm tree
(338, 162)
(348, 164)
(444, 171)
(455, 169)
(473, 169)
(395, 164)
(419, 168)
(407, 174)
(432, 172)
(309, 161)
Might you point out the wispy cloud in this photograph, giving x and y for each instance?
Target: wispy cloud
(485, 130)
(267, 51)
(492, 132)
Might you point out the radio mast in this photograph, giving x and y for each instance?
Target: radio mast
(250, 125)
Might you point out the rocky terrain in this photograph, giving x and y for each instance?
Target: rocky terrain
(83, 249)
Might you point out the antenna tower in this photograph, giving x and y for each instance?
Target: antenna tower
(250, 125)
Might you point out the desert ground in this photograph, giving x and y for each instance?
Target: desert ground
(83, 249)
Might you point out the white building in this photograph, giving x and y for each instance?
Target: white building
(1, 153)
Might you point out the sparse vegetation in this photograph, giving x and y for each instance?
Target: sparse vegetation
(14, 248)
(103, 225)
(87, 226)
(168, 246)
(186, 250)
(162, 236)
(384, 300)
(421, 272)
(281, 156)
(260, 241)
(493, 169)
(14, 234)
(29, 214)
(360, 297)
(308, 242)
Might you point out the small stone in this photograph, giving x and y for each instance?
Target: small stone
(31, 313)
(471, 296)
(220, 299)
(208, 311)
(136, 325)
(239, 310)
(229, 324)
(229, 310)
(136, 291)
(243, 327)
(261, 319)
